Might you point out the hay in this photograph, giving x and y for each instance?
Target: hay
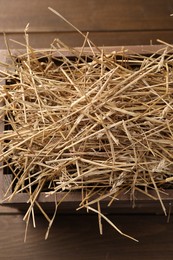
(100, 124)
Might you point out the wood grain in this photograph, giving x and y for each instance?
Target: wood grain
(113, 22)
(74, 237)
(43, 40)
(91, 15)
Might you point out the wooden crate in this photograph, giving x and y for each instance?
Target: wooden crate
(142, 204)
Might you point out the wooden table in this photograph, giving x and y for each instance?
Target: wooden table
(113, 22)
(77, 237)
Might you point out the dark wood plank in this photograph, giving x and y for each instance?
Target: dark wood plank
(110, 23)
(91, 15)
(74, 237)
(8, 210)
(43, 40)
(142, 204)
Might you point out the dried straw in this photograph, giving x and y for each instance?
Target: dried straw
(100, 124)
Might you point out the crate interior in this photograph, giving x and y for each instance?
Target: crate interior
(130, 64)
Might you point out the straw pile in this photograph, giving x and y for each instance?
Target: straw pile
(100, 124)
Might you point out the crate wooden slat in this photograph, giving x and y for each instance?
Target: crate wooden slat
(143, 204)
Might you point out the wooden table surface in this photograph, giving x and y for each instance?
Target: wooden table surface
(77, 237)
(112, 22)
